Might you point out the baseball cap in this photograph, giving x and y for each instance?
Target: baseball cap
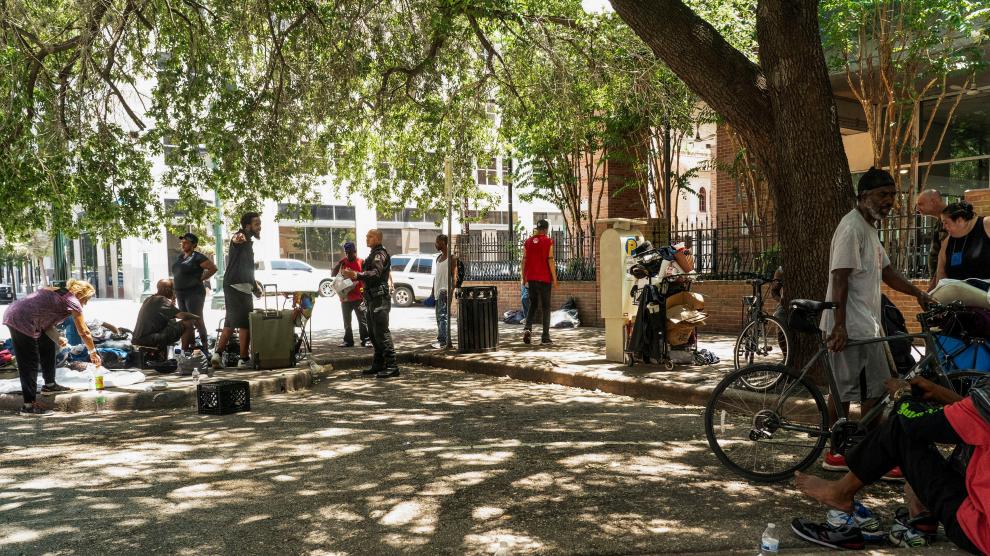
(542, 225)
(349, 246)
(190, 237)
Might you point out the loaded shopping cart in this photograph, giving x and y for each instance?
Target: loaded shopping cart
(667, 312)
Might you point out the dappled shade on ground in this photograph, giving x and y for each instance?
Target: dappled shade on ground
(433, 462)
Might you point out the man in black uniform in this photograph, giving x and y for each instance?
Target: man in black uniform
(377, 269)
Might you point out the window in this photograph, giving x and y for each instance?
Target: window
(702, 200)
(317, 246)
(298, 265)
(399, 263)
(280, 265)
(487, 172)
(423, 266)
(488, 217)
(344, 213)
(290, 211)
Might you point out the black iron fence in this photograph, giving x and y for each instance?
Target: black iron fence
(496, 258)
(732, 248)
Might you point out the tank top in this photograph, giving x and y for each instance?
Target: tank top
(969, 256)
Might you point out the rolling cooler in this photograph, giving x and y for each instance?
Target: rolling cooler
(272, 335)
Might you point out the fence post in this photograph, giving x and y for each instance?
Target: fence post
(715, 250)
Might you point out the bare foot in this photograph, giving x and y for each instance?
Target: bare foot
(826, 492)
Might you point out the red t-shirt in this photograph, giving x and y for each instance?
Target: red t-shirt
(537, 250)
(357, 266)
(974, 513)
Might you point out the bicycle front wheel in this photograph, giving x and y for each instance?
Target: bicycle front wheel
(962, 381)
(766, 436)
(762, 342)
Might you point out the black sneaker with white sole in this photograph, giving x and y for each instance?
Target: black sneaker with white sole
(841, 538)
(54, 388)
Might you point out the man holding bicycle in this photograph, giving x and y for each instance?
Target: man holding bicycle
(857, 266)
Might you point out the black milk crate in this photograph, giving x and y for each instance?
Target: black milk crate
(223, 397)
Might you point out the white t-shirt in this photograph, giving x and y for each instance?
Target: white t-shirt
(440, 278)
(856, 245)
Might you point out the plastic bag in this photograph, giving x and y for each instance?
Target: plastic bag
(343, 286)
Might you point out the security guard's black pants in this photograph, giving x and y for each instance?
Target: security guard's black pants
(378, 310)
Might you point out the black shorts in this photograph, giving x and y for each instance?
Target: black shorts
(238, 306)
(191, 301)
(163, 338)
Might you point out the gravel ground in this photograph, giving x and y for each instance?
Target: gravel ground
(435, 462)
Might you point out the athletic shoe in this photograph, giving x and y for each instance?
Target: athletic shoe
(834, 462)
(388, 373)
(924, 522)
(54, 388)
(906, 536)
(245, 364)
(861, 517)
(33, 409)
(842, 538)
(546, 342)
(216, 361)
(894, 475)
(527, 336)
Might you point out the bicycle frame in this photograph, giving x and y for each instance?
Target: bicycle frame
(930, 360)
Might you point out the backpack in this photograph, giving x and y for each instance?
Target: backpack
(894, 325)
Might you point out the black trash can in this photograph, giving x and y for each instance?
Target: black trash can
(477, 319)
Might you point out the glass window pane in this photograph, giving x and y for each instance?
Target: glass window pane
(279, 265)
(969, 131)
(954, 178)
(424, 266)
(399, 263)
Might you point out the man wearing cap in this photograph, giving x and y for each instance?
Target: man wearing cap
(539, 275)
(190, 272)
(353, 300)
(857, 266)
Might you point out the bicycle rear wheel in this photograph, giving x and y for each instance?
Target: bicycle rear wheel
(767, 435)
(761, 342)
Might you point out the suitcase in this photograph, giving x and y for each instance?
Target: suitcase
(272, 336)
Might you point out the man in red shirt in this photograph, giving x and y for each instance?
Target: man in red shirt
(539, 274)
(353, 300)
(959, 499)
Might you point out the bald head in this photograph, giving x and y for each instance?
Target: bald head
(374, 238)
(930, 203)
(165, 288)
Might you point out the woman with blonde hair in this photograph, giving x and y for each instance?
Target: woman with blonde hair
(32, 321)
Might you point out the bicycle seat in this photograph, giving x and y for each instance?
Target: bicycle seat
(810, 305)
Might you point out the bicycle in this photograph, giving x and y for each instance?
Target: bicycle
(764, 338)
(769, 434)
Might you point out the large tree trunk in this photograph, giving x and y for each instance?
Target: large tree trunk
(783, 110)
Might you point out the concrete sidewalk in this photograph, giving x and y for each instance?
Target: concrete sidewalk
(577, 358)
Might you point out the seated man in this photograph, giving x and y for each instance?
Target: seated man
(156, 322)
(960, 500)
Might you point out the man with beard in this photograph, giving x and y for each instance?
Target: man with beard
(238, 285)
(857, 265)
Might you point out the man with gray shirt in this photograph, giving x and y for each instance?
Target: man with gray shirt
(238, 285)
(857, 266)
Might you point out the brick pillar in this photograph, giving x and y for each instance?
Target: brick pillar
(980, 199)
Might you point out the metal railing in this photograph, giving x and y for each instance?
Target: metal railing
(496, 258)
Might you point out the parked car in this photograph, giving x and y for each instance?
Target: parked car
(290, 275)
(7, 294)
(412, 277)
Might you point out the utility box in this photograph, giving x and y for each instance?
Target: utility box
(616, 241)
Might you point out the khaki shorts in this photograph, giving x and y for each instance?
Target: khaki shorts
(859, 366)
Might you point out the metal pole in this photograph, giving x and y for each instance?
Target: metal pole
(512, 227)
(666, 178)
(218, 300)
(448, 186)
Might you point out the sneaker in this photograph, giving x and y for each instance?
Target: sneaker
(54, 388)
(907, 536)
(388, 373)
(216, 361)
(861, 517)
(834, 462)
(345, 345)
(844, 537)
(546, 342)
(371, 371)
(245, 364)
(527, 336)
(894, 475)
(437, 345)
(33, 409)
(924, 522)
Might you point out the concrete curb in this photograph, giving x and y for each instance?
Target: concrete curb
(303, 378)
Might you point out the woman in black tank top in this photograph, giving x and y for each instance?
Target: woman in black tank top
(966, 251)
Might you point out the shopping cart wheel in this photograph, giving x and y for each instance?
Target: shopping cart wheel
(668, 364)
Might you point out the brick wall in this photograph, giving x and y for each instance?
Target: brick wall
(980, 199)
(584, 292)
(723, 303)
(907, 304)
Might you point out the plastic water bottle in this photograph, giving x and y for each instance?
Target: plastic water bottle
(195, 377)
(770, 544)
(101, 403)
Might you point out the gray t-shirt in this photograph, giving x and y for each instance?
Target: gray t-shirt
(856, 245)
